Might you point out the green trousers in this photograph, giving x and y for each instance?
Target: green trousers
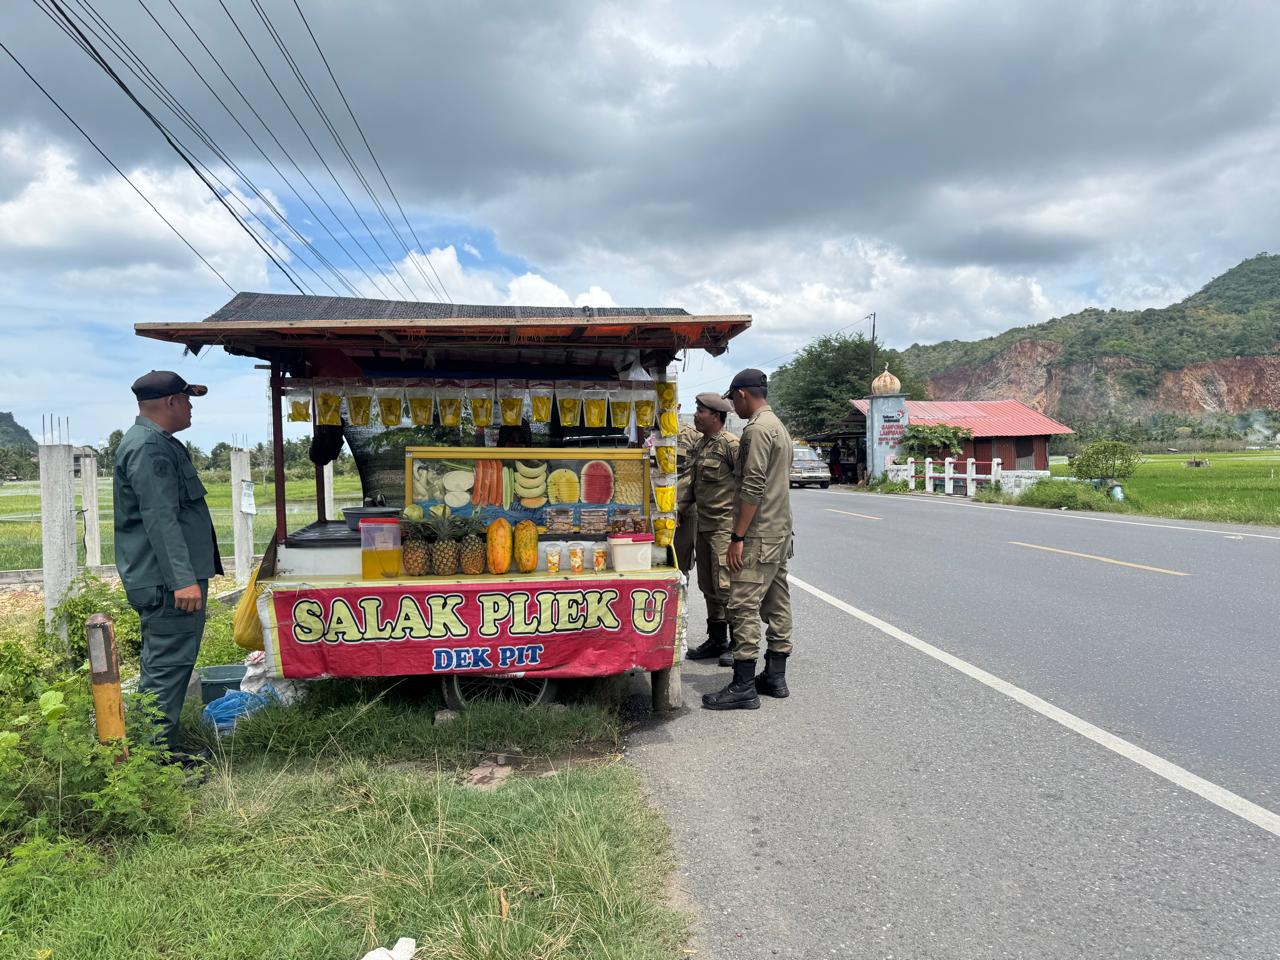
(170, 645)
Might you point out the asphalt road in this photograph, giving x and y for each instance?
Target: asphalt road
(895, 806)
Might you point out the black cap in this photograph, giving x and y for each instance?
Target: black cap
(750, 377)
(165, 383)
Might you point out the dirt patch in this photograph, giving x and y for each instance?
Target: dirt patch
(494, 769)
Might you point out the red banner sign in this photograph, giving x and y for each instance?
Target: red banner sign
(565, 628)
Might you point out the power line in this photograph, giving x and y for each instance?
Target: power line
(301, 127)
(110, 71)
(104, 156)
(360, 129)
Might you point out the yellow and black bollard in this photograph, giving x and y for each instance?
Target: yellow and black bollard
(104, 672)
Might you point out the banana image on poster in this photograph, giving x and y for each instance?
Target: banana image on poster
(529, 482)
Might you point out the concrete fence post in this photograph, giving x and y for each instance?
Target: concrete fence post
(971, 482)
(911, 473)
(89, 504)
(241, 522)
(330, 511)
(948, 475)
(996, 472)
(928, 474)
(57, 527)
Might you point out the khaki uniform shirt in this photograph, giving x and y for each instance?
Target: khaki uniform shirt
(714, 486)
(686, 440)
(764, 475)
(164, 534)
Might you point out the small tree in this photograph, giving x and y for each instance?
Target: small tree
(920, 440)
(1109, 460)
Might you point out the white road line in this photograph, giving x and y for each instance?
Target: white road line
(1060, 514)
(1218, 796)
(850, 513)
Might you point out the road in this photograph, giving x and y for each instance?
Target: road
(921, 794)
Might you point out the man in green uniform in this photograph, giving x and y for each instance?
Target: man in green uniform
(759, 548)
(713, 489)
(687, 518)
(166, 548)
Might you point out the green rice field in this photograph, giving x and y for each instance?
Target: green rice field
(1231, 488)
(20, 516)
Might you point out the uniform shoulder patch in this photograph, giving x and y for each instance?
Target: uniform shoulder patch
(161, 467)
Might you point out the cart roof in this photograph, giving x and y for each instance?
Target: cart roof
(275, 326)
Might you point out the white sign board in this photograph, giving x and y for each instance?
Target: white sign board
(246, 497)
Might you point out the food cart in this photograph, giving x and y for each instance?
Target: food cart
(523, 461)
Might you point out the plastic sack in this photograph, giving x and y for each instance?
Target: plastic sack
(223, 713)
(404, 949)
(256, 681)
(246, 627)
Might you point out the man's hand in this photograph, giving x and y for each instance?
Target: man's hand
(733, 557)
(188, 599)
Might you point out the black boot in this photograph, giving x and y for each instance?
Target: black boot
(726, 658)
(717, 641)
(738, 695)
(773, 682)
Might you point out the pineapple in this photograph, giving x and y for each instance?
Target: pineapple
(444, 552)
(415, 555)
(473, 546)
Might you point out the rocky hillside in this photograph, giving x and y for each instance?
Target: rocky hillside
(14, 434)
(1216, 352)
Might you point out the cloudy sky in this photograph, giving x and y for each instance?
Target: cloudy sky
(957, 167)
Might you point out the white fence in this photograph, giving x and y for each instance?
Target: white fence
(965, 481)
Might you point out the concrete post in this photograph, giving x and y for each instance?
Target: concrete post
(89, 503)
(57, 527)
(948, 475)
(911, 473)
(241, 522)
(996, 471)
(330, 511)
(970, 483)
(928, 474)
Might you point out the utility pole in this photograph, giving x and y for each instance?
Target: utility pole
(872, 317)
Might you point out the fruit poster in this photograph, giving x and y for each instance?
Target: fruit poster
(562, 491)
(558, 627)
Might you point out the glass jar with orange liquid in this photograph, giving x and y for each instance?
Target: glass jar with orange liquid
(380, 552)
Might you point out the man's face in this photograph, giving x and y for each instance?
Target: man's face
(741, 405)
(180, 409)
(706, 420)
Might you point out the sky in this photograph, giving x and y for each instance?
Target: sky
(957, 167)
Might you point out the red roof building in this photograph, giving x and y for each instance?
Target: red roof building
(1007, 429)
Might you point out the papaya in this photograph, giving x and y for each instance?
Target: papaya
(526, 546)
(498, 541)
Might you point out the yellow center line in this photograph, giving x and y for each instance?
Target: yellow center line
(849, 513)
(1090, 556)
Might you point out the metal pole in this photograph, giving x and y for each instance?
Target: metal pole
(104, 673)
(873, 349)
(277, 443)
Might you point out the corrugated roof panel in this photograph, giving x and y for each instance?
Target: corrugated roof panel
(986, 418)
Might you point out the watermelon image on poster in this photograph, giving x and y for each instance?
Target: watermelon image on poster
(597, 482)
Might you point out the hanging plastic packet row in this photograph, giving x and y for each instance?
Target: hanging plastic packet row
(664, 452)
(666, 390)
(297, 401)
(569, 403)
(645, 402)
(620, 406)
(595, 405)
(511, 399)
(480, 399)
(449, 395)
(541, 393)
(390, 406)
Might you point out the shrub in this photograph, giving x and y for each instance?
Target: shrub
(1060, 495)
(26, 669)
(89, 595)
(1106, 460)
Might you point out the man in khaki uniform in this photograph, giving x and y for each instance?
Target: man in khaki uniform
(759, 547)
(713, 489)
(686, 516)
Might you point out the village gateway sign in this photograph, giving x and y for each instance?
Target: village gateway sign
(887, 421)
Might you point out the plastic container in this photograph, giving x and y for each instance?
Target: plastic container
(578, 557)
(380, 552)
(552, 556)
(631, 551)
(215, 681)
(599, 557)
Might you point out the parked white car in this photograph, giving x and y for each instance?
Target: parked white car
(809, 469)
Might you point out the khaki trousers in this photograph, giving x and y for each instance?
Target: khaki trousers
(710, 550)
(759, 591)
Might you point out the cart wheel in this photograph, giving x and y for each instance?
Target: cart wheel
(824, 485)
(461, 690)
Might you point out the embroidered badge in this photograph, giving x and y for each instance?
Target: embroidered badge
(160, 467)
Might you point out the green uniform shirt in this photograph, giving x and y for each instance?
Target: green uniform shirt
(715, 467)
(764, 474)
(164, 534)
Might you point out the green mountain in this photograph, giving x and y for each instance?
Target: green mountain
(14, 434)
(1217, 351)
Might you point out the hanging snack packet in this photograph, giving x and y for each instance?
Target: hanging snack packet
(668, 423)
(666, 390)
(511, 394)
(328, 407)
(540, 393)
(569, 403)
(449, 402)
(664, 494)
(664, 452)
(664, 529)
(480, 397)
(595, 407)
(619, 406)
(421, 406)
(391, 407)
(359, 407)
(645, 403)
(298, 403)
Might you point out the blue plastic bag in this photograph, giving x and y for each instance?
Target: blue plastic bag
(223, 713)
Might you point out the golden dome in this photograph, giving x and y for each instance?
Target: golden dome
(885, 383)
